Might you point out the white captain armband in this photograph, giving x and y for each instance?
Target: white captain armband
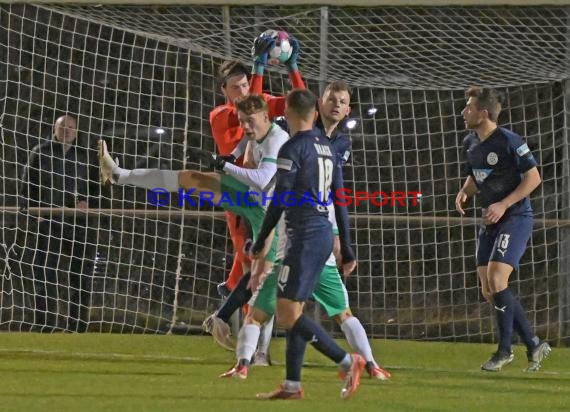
(523, 150)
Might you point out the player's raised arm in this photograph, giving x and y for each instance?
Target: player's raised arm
(277, 104)
(292, 65)
(262, 47)
(260, 52)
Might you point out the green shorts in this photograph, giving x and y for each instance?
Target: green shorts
(330, 292)
(234, 191)
(265, 298)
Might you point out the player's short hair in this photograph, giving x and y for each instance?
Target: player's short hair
(250, 104)
(487, 99)
(302, 102)
(231, 68)
(338, 86)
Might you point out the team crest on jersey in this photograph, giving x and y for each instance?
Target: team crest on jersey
(481, 174)
(522, 150)
(492, 158)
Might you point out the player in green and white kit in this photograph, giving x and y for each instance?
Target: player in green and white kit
(226, 190)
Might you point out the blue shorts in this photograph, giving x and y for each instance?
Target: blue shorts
(505, 241)
(305, 258)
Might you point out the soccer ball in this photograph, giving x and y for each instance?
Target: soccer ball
(282, 50)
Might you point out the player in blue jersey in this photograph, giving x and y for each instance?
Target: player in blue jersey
(503, 172)
(307, 173)
(334, 107)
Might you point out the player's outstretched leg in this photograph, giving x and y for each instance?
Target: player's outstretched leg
(111, 173)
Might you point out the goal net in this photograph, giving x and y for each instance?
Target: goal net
(143, 78)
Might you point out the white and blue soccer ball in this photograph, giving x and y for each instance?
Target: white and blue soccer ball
(282, 50)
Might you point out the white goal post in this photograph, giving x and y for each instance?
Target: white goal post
(143, 77)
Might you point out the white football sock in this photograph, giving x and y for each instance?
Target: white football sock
(247, 341)
(149, 178)
(265, 337)
(356, 338)
(346, 362)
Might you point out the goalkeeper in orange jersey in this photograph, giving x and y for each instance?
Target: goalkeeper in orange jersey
(227, 133)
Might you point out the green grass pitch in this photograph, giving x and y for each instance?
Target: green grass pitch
(111, 372)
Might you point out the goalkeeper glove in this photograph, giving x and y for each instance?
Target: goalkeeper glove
(216, 162)
(260, 52)
(220, 161)
(291, 63)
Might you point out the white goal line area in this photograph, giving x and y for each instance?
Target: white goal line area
(143, 78)
(178, 214)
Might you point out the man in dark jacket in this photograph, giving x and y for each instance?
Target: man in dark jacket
(58, 175)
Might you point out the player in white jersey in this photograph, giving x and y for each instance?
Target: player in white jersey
(228, 189)
(264, 149)
(263, 139)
